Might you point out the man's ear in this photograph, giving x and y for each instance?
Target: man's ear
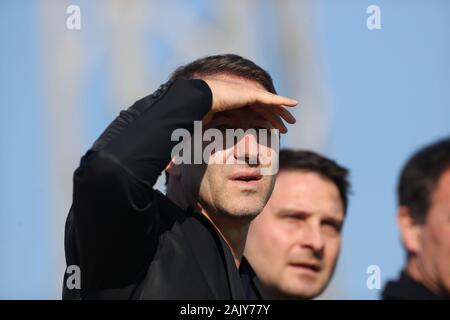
(410, 230)
(173, 169)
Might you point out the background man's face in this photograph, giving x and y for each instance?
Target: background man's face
(294, 243)
(237, 190)
(434, 255)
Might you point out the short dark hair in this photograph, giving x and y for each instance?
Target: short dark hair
(230, 64)
(312, 162)
(420, 175)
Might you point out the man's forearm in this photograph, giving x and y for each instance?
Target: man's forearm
(113, 217)
(139, 139)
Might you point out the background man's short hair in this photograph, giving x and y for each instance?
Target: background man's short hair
(312, 162)
(420, 175)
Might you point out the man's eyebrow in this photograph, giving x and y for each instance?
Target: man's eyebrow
(229, 118)
(306, 213)
(330, 218)
(336, 221)
(224, 116)
(294, 212)
(259, 116)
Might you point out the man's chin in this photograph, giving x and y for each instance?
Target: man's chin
(238, 200)
(301, 293)
(243, 209)
(303, 288)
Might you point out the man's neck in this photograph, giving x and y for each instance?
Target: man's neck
(416, 271)
(233, 231)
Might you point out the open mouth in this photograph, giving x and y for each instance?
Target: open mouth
(246, 177)
(307, 266)
(255, 178)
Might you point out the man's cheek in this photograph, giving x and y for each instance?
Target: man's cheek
(333, 254)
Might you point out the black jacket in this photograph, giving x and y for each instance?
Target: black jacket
(406, 288)
(129, 240)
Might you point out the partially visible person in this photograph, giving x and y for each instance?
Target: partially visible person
(294, 243)
(424, 220)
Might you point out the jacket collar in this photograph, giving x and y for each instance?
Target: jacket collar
(223, 259)
(407, 288)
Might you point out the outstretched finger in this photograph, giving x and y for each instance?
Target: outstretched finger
(274, 119)
(281, 111)
(266, 97)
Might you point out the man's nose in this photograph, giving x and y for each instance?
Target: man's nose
(312, 238)
(247, 149)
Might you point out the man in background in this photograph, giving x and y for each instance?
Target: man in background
(293, 245)
(423, 218)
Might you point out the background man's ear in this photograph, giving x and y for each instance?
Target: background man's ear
(173, 169)
(410, 230)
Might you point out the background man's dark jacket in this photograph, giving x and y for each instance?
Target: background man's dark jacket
(129, 240)
(406, 288)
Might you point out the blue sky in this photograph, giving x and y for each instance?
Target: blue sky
(388, 92)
